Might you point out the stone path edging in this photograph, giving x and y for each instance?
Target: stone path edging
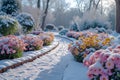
(10, 64)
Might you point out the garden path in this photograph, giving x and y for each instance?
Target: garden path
(48, 67)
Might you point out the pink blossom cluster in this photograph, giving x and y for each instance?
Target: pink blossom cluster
(47, 38)
(33, 43)
(11, 45)
(73, 34)
(76, 35)
(104, 64)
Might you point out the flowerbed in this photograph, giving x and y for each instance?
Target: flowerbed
(88, 42)
(104, 64)
(11, 47)
(99, 54)
(73, 34)
(32, 43)
(47, 38)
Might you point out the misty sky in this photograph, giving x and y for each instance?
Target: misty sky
(106, 3)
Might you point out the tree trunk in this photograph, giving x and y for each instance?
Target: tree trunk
(90, 4)
(38, 14)
(38, 4)
(44, 15)
(118, 16)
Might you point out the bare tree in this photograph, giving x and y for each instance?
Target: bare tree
(90, 4)
(44, 15)
(117, 15)
(94, 4)
(38, 13)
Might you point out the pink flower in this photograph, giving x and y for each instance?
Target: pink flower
(86, 63)
(116, 50)
(109, 72)
(2, 52)
(104, 77)
(118, 65)
(109, 64)
(97, 53)
(90, 76)
(14, 51)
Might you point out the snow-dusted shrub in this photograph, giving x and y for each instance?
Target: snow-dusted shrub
(88, 42)
(74, 27)
(60, 28)
(2, 13)
(63, 32)
(99, 30)
(11, 47)
(73, 34)
(32, 42)
(51, 35)
(50, 27)
(46, 38)
(92, 19)
(8, 25)
(26, 21)
(105, 65)
(11, 7)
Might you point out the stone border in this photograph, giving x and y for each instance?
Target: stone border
(27, 57)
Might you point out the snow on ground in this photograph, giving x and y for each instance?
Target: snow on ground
(49, 67)
(75, 71)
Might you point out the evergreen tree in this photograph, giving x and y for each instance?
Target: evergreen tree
(11, 7)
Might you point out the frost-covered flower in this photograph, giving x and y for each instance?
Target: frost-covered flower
(11, 46)
(109, 65)
(104, 77)
(33, 42)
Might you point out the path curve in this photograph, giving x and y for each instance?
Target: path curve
(48, 67)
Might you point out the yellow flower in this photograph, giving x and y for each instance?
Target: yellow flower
(83, 47)
(106, 41)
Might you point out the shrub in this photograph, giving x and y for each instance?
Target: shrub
(105, 64)
(11, 47)
(91, 19)
(2, 13)
(74, 27)
(8, 25)
(63, 32)
(27, 22)
(60, 28)
(73, 34)
(33, 42)
(51, 35)
(46, 38)
(11, 7)
(88, 43)
(50, 27)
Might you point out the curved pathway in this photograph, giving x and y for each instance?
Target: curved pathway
(48, 67)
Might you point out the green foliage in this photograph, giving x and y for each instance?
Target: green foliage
(8, 25)
(60, 28)
(74, 27)
(18, 54)
(11, 7)
(50, 27)
(27, 22)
